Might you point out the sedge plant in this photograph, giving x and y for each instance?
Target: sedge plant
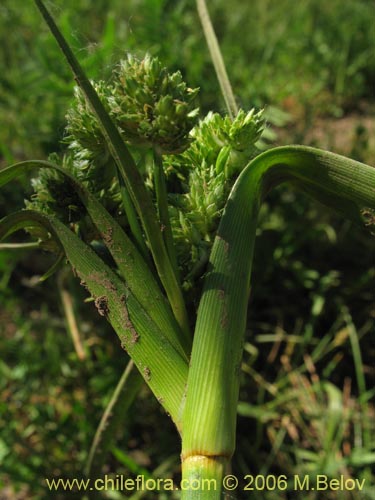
(155, 208)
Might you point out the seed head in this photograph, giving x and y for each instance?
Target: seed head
(153, 107)
(220, 150)
(92, 158)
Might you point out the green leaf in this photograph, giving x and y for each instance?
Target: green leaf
(343, 184)
(131, 264)
(360, 457)
(156, 358)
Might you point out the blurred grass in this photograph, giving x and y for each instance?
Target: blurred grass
(307, 397)
(309, 57)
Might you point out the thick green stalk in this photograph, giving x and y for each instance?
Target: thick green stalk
(209, 420)
(133, 180)
(202, 477)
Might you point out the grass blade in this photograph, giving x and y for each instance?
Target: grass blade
(113, 416)
(70, 318)
(217, 59)
(360, 375)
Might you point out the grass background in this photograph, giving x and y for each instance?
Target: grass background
(307, 393)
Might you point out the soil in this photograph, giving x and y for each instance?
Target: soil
(352, 135)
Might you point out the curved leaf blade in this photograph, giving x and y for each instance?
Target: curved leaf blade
(156, 358)
(130, 262)
(345, 185)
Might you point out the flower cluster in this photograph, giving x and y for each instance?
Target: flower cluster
(91, 157)
(54, 195)
(221, 148)
(153, 107)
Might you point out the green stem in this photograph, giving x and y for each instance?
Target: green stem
(209, 419)
(132, 218)
(202, 477)
(217, 59)
(19, 246)
(133, 180)
(162, 204)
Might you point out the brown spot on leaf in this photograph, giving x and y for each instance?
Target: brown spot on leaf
(225, 244)
(224, 319)
(224, 311)
(83, 283)
(147, 373)
(368, 215)
(108, 236)
(135, 336)
(96, 277)
(101, 304)
(123, 346)
(108, 285)
(126, 320)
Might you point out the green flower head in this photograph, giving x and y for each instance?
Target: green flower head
(153, 107)
(54, 194)
(220, 150)
(92, 158)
